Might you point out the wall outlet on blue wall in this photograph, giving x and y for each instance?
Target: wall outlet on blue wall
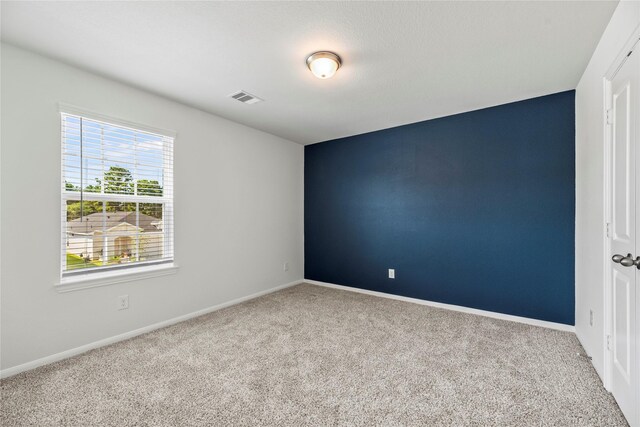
(392, 273)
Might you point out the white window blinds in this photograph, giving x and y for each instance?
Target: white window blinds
(117, 196)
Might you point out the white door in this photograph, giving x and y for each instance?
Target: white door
(625, 237)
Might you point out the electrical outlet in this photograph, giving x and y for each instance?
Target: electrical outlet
(285, 266)
(590, 317)
(392, 273)
(123, 302)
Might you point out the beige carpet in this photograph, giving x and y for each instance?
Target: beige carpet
(315, 356)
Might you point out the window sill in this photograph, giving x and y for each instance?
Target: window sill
(92, 280)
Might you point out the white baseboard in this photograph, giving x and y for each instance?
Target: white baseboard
(121, 337)
(492, 314)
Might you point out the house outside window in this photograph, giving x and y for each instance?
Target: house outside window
(117, 196)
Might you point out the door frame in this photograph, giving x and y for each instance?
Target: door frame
(632, 44)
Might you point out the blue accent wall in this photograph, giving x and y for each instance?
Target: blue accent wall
(475, 209)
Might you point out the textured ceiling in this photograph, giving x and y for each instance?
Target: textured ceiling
(403, 62)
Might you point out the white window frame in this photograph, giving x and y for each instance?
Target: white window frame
(100, 276)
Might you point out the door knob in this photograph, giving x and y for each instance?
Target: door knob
(627, 261)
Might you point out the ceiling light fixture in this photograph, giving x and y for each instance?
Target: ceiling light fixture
(324, 64)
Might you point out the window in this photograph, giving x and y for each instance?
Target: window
(117, 197)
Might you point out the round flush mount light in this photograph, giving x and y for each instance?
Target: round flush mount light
(324, 64)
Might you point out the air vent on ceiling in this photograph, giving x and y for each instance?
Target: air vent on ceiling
(245, 97)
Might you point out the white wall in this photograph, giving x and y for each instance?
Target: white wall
(590, 222)
(238, 211)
